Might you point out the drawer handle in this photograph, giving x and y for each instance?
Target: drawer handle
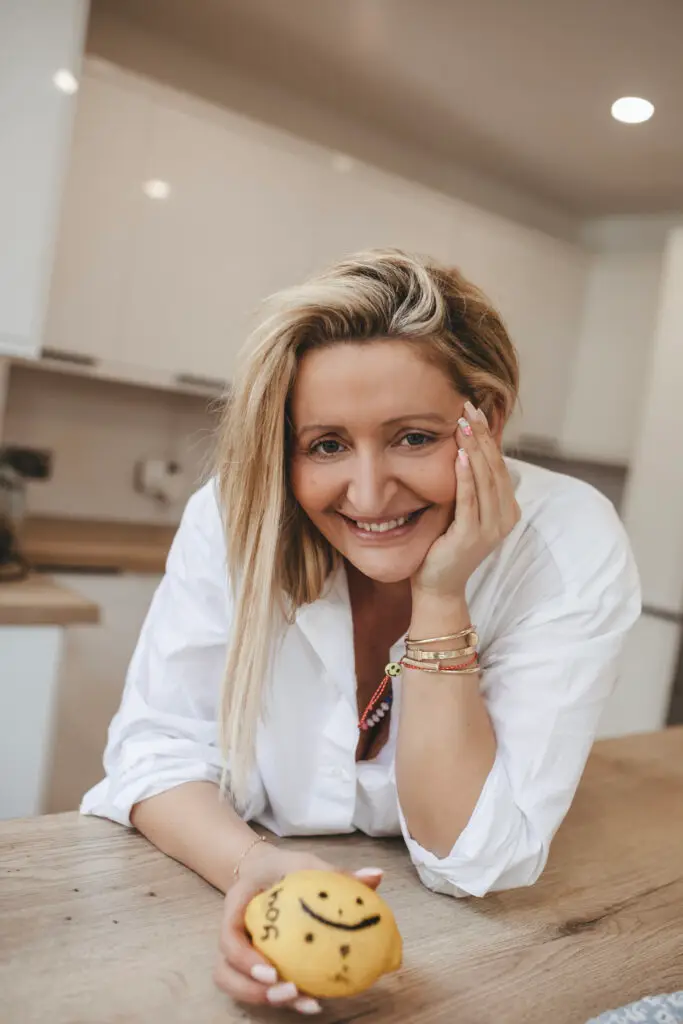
(74, 358)
(206, 383)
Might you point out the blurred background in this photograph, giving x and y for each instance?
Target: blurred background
(166, 164)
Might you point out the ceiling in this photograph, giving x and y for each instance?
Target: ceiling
(518, 91)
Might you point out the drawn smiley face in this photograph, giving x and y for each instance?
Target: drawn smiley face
(327, 932)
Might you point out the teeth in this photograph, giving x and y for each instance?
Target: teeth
(382, 527)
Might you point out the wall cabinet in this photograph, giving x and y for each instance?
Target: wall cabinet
(38, 38)
(167, 288)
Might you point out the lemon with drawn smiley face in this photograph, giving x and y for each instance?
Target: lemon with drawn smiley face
(326, 932)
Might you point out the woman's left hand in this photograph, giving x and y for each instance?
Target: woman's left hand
(486, 511)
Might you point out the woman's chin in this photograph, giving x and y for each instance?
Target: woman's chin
(382, 568)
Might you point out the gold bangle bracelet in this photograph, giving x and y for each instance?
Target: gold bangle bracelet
(236, 869)
(458, 654)
(470, 632)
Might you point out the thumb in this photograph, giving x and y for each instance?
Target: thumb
(372, 877)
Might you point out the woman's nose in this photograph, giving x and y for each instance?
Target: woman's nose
(370, 486)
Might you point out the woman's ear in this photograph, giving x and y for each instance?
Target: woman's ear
(496, 421)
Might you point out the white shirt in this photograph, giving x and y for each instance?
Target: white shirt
(551, 606)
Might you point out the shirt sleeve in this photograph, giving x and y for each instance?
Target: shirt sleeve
(546, 678)
(165, 732)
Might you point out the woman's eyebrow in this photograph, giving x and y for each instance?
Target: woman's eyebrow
(330, 428)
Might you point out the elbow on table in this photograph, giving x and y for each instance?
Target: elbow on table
(482, 875)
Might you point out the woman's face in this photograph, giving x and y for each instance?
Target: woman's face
(373, 459)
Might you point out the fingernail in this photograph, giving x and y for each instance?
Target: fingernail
(465, 427)
(463, 456)
(368, 872)
(307, 1005)
(282, 993)
(482, 416)
(264, 973)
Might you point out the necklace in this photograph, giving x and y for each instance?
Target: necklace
(381, 700)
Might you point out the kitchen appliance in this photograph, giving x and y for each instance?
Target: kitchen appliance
(17, 465)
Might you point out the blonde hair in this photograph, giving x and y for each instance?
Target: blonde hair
(277, 559)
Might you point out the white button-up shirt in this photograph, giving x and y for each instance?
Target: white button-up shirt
(551, 606)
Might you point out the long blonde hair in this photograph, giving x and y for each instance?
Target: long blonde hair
(277, 559)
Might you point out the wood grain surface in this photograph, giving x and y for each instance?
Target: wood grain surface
(41, 601)
(97, 927)
(66, 543)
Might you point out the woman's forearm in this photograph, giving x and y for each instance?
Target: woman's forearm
(446, 743)
(192, 824)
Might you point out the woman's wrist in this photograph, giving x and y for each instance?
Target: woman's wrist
(434, 616)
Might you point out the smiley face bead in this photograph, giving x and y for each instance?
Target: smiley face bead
(393, 669)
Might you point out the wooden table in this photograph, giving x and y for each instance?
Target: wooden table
(97, 927)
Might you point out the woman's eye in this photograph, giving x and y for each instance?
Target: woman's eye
(327, 447)
(415, 439)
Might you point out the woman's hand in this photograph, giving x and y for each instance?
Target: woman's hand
(485, 513)
(240, 970)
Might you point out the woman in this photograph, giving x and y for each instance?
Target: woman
(361, 499)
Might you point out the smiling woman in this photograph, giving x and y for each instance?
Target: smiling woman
(419, 634)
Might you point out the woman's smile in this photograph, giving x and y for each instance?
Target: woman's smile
(384, 530)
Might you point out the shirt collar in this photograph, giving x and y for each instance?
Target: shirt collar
(327, 624)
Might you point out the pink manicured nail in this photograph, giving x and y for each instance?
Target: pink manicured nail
(282, 993)
(463, 456)
(307, 1005)
(265, 974)
(368, 872)
(474, 413)
(465, 427)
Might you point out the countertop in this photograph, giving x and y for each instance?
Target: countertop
(98, 926)
(41, 601)
(106, 545)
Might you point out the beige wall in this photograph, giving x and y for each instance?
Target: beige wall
(98, 430)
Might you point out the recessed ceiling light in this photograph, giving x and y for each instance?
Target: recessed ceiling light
(157, 189)
(65, 81)
(632, 110)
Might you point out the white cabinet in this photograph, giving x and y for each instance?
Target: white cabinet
(103, 201)
(235, 227)
(29, 666)
(167, 288)
(91, 680)
(37, 39)
(366, 209)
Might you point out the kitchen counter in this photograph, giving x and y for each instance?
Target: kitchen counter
(106, 545)
(96, 925)
(41, 601)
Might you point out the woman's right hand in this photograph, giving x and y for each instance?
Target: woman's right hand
(240, 970)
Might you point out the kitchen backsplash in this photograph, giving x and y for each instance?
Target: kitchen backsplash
(98, 430)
